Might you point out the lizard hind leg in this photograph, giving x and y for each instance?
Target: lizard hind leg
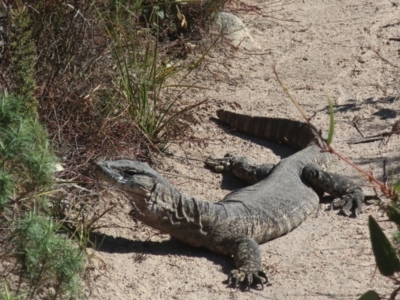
(247, 259)
(338, 186)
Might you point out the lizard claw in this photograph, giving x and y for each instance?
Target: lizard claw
(238, 276)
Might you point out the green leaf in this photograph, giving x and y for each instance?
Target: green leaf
(159, 12)
(393, 213)
(370, 295)
(385, 255)
(397, 186)
(331, 122)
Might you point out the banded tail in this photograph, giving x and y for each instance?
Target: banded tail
(293, 133)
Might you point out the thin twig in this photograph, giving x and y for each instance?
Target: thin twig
(356, 127)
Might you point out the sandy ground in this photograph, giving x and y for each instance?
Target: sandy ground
(336, 48)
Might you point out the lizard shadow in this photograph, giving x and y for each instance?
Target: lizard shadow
(141, 249)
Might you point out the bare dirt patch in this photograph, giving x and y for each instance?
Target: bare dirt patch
(344, 49)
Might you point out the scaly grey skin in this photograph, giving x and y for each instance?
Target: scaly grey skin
(280, 198)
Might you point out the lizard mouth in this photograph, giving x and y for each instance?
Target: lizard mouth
(135, 187)
(109, 174)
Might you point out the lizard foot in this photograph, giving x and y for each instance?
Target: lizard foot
(247, 259)
(238, 276)
(241, 167)
(221, 165)
(351, 196)
(351, 201)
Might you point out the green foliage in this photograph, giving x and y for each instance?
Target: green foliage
(142, 76)
(26, 163)
(385, 255)
(393, 212)
(370, 295)
(331, 122)
(165, 16)
(6, 294)
(47, 257)
(397, 186)
(23, 56)
(44, 258)
(140, 81)
(6, 189)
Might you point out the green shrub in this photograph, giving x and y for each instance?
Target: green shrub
(142, 87)
(23, 56)
(25, 157)
(47, 263)
(47, 258)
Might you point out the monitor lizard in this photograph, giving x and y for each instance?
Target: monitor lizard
(279, 198)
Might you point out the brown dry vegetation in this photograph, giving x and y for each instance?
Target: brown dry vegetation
(75, 72)
(63, 56)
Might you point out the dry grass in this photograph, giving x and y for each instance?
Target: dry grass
(75, 68)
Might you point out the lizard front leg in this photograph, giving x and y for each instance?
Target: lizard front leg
(240, 167)
(247, 257)
(338, 186)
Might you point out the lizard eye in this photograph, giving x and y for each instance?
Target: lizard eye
(130, 172)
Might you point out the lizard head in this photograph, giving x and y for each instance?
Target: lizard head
(135, 178)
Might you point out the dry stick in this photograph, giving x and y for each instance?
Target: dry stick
(286, 90)
(377, 137)
(390, 193)
(355, 125)
(384, 59)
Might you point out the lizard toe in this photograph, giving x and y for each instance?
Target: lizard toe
(248, 278)
(351, 203)
(235, 277)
